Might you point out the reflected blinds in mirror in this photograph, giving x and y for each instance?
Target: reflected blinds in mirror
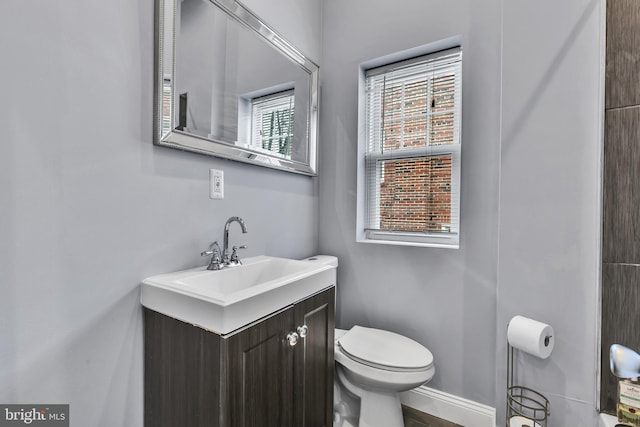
(272, 123)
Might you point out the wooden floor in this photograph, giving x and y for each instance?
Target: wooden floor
(415, 418)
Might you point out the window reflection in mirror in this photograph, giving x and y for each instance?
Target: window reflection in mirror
(272, 119)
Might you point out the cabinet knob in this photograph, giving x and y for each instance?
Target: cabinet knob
(302, 331)
(292, 338)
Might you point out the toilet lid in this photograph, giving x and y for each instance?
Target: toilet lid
(384, 349)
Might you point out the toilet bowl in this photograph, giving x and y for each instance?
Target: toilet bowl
(374, 366)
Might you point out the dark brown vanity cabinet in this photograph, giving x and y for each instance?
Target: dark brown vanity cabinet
(252, 377)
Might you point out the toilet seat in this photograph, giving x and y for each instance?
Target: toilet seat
(384, 350)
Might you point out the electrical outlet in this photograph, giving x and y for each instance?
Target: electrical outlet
(216, 184)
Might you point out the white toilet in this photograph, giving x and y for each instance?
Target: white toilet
(372, 367)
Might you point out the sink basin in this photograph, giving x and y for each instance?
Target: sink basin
(226, 300)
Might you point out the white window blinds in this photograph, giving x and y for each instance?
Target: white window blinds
(413, 148)
(272, 123)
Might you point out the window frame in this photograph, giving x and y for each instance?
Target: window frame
(364, 205)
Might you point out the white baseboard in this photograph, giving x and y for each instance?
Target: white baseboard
(449, 407)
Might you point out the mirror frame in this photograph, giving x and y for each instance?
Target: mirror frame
(164, 54)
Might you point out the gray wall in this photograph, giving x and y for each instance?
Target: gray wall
(89, 206)
(550, 194)
(442, 298)
(531, 247)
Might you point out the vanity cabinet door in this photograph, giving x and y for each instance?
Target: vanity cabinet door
(313, 361)
(259, 374)
(271, 383)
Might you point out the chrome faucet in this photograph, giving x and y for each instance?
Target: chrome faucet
(220, 258)
(232, 260)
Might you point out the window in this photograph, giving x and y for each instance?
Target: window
(272, 123)
(166, 106)
(410, 155)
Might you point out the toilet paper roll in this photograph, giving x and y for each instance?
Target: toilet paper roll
(530, 336)
(519, 421)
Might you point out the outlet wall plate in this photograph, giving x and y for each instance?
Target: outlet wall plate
(216, 184)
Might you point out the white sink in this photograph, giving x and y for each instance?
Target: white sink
(225, 300)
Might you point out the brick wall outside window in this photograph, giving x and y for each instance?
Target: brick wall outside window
(415, 193)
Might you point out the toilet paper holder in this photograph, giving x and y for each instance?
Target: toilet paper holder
(525, 406)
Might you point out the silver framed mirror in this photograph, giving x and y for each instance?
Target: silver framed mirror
(227, 85)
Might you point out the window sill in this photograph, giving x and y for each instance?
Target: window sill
(410, 239)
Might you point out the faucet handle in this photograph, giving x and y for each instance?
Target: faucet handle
(214, 249)
(214, 253)
(216, 260)
(234, 254)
